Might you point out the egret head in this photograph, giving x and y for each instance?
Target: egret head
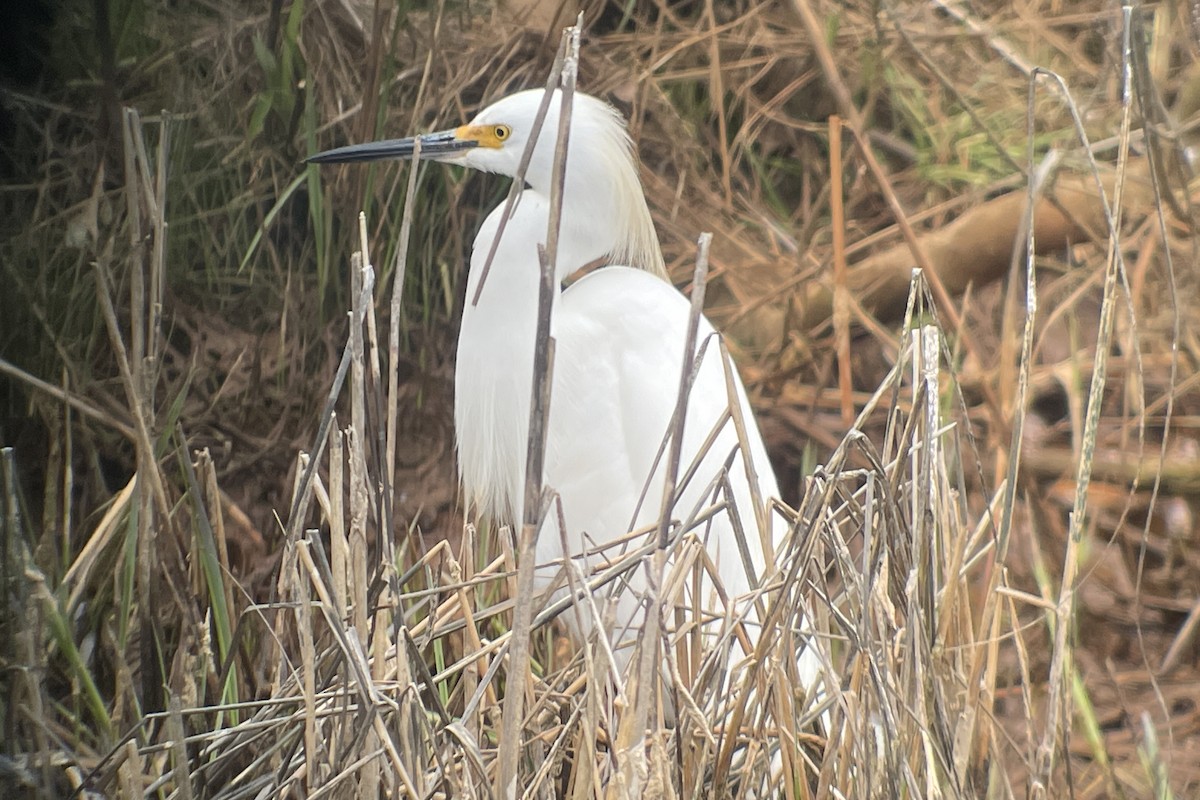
(601, 175)
(495, 139)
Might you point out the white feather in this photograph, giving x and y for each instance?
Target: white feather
(619, 335)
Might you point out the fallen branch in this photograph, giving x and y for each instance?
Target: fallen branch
(976, 248)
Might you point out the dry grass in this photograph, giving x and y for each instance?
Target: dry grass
(999, 552)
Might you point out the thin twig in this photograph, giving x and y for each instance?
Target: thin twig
(75, 401)
(841, 297)
(389, 464)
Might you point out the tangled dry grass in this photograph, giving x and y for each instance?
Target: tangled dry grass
(999, 546)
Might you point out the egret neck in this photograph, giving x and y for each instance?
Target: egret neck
(605, 217)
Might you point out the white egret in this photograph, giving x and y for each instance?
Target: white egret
(619, 334)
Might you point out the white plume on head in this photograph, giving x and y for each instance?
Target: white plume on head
(599, 152)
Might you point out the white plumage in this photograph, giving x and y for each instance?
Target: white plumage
(619, 334)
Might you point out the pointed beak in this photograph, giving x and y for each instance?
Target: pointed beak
(434, 146)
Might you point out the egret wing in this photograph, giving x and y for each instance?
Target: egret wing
(619, 338)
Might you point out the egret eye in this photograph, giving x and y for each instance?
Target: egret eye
(502, 132)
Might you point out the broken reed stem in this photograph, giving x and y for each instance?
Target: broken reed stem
(927, 457)
(181, 768)
(762, 509)
(302, 496)
(539, 413)
(208, 567)
(137, 377)
(308, 685)
(371, 393)
(144, 441)
(675, 454)
(359, 513)
(339, 548)
(377, 495)
(526, 554)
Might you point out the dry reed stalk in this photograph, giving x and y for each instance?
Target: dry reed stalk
(356, 451)
(371, 776)
(27, 698)
(339, 545)
(543, 367)
(630, 751)
(182, 776)
(1062, 668)
(738, 730)
(313, 776)
(130, 770)
(131, 128)
(140, 404)
(762, 508)
(142, 425)
(398, 273)
(552, 82)
(841, 297)
(472, 673)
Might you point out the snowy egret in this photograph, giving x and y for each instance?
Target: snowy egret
(619, 333)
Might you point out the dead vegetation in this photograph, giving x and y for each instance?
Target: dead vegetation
(1001, 544)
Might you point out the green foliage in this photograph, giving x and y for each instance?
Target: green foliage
(282, 94)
